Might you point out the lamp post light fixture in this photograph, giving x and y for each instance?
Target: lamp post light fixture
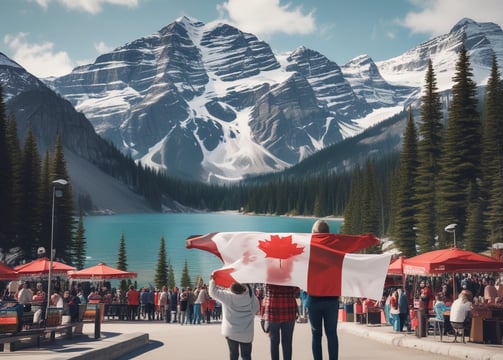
(416, 230)
(56, 187)
(451, 228)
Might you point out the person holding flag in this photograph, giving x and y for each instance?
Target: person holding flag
(239, 305)
(323, 312)
(323, 264)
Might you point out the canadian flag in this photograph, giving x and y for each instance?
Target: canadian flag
(319, 263)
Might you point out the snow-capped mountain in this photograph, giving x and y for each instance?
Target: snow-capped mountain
(210, 101)
(480, 39)
(37, 108)
(15, 79)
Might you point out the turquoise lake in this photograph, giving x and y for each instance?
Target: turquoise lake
(143, 232)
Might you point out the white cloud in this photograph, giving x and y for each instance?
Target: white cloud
(436, 17)
(267, 17)
(102, 48)
(89, 6)
(39, 59)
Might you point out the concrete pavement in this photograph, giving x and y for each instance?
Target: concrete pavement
(158, 340)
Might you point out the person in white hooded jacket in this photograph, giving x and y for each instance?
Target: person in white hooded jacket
(239, 306)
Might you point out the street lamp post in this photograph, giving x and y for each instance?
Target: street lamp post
(56, 184)
(451, 228)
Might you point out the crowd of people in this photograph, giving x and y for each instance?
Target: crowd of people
(279, 307)
(400, 303)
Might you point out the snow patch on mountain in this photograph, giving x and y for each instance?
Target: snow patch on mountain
(209, 101)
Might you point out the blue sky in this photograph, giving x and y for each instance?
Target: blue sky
(50, 37)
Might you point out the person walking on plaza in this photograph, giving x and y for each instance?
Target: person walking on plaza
(184, 303)
(280, 309)
(164, 304)
(201, 296)
(133, 302)
(239, 305)
(174, 302)
(323, 312)
(395, 311)
(403, 307)
(189, 314)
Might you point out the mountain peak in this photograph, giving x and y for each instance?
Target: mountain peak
(189, 21)
(209, 100)
(464, 22)
(473, 27)
(6, 61)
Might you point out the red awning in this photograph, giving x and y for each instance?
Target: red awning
(7, 273)
(451, 260)
(396, 267)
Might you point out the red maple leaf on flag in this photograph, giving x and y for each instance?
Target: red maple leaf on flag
(280, 247)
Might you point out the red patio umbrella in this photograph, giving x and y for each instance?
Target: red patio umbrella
(101, 272)
(7, 273)
(40, 268)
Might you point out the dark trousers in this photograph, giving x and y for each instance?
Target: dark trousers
(324, 314)
(235, 346)
(281, 332)
(133, 312)
(403, 320)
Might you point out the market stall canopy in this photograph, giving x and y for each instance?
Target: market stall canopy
(396, 267)
(101, 272)
(40, 268)
(452, 260)
(7, 273)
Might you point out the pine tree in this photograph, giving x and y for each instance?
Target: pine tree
(353, 211)
(7, 229)
(45, 196)
(161, 274)
(15, 158)
(171, 276)
(370, 206)
(492, 157)
(475, 222)
(79, 245)
(122, 262)
(63, 214)
(428, 148)
(122, 257)
(404, 214)
(460, 158)
(185, 278)
(29, 229)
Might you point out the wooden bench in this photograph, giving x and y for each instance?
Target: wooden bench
(9, 340)
(9, 321)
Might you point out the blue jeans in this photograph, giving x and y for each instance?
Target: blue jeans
(324, 313)
(396, 322)
(235, 346)
(197, 314)
(281, 332)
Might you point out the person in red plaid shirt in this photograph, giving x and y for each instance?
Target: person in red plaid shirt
(280, 310)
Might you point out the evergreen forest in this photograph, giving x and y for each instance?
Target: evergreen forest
(448, 171)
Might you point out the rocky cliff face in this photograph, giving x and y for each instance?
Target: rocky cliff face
(212, 102)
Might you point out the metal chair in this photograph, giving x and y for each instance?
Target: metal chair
(437, 324)
(459, 329)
